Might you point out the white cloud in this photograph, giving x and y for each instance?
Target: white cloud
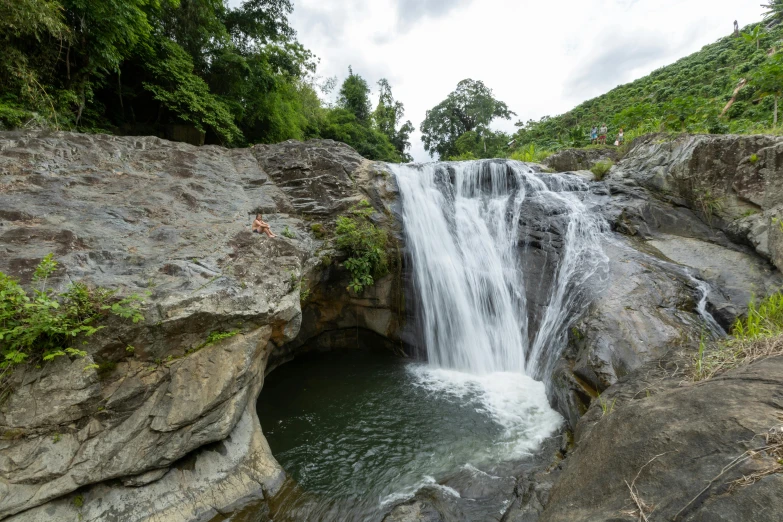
(539, 57)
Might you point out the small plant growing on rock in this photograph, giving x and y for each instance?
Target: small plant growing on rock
(364, 244)
(43, 325)
(318, 230)
(754, 158)
(213, 338)
(709, 204)
(601, 168)
(288, 233)
(78, 501)
(304, 295)
(606, 407)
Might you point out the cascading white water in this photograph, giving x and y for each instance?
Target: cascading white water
(470, 256)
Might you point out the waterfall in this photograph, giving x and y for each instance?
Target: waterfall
(503, 259)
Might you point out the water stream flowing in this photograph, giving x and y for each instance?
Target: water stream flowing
(503, 258)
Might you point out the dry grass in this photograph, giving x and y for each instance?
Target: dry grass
(757, 336)
(773, 449)
(723, 356)
(643, 509)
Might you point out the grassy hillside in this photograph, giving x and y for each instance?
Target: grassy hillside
(688, 95)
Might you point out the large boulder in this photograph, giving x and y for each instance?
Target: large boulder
(679, 451)
(733, 182)
(570, 160)
(166, 427)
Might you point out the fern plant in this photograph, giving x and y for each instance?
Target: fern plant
(43, 325)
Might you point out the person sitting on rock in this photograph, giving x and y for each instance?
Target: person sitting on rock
(260, 226)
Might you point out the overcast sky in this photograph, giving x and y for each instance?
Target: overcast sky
(541, 57)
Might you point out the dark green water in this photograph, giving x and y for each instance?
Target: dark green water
(358, 431)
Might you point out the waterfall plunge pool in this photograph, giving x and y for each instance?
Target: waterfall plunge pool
(358, 431)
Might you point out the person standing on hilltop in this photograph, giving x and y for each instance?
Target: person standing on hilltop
(594, 135)
(602, 135)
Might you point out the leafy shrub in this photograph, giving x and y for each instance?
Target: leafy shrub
(287, 232)
(45, 325)
(601, 168)
(365, 246)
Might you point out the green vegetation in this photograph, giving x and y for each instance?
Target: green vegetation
(318, 230)
(213, 338)
(606, 407)
(459, 125)
(364, 244)
(531, 154)
(288, 233)
(179, 68)
(757, 336)
(731, 86)
(41, 326)
(601, 168)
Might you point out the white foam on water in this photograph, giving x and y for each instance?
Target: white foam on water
(515, 401)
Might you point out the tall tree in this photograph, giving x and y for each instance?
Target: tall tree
(388, 115)
(355, 97)
(471, 107)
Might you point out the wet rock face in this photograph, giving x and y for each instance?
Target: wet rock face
(173, 419)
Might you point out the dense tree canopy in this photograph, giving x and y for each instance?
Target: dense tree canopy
(470, 108)
(143, 66)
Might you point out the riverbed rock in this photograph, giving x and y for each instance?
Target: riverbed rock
(674, 447)
(165, 426)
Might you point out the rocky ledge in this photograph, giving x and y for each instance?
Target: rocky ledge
(165, 427)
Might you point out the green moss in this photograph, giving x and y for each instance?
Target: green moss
(318, 230)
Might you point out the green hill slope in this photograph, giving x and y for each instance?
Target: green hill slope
(689, 95)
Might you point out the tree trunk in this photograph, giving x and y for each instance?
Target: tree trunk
(119, 91)
(775, 117)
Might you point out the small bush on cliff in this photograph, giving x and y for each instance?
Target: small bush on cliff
(601, 168)
(757, 336)
(365, 246)
(44, 325)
